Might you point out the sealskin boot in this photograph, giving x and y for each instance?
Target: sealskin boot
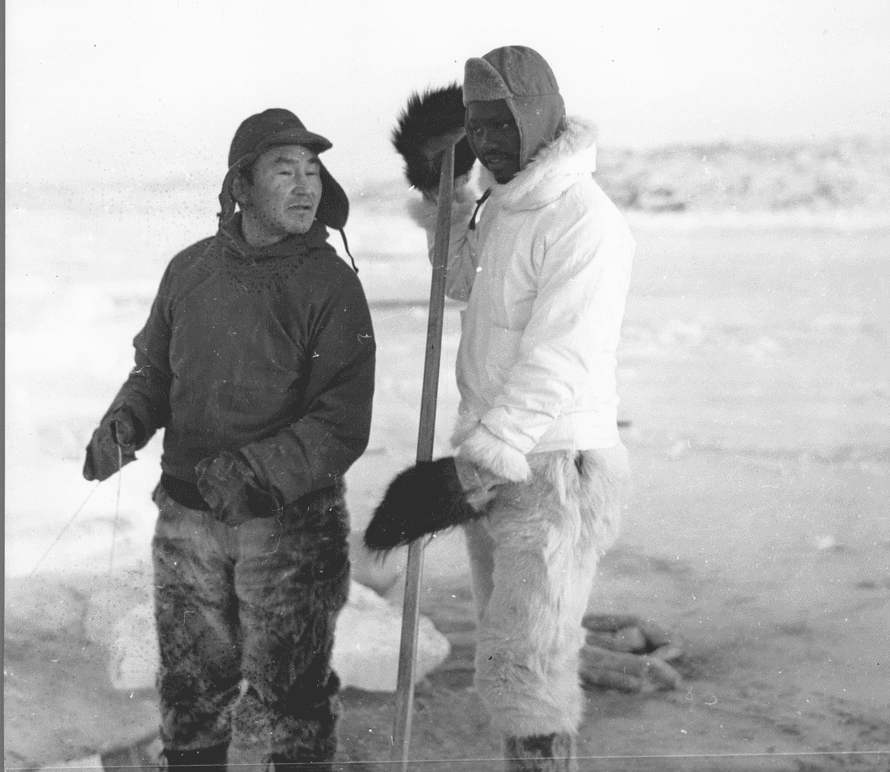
(541, 753)
(201, 760)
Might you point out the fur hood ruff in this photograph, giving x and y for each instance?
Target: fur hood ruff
(553, 170)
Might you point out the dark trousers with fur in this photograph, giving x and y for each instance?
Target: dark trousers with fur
(245, 620)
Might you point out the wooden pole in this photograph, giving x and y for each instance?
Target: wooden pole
(411, 610)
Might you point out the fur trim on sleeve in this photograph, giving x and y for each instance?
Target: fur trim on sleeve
(423, 211)
(463, 428)
(490, 452)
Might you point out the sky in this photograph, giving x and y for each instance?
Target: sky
(139, 89)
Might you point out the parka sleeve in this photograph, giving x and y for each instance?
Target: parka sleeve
(333, 431)
(462, 256)
(146, 392)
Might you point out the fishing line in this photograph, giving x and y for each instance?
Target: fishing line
(62, 532)
(117, 507)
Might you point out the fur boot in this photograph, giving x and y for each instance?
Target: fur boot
(541, 753)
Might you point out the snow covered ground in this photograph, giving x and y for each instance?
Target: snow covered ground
(763, 344)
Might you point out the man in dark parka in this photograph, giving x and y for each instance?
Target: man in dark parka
(257, 360)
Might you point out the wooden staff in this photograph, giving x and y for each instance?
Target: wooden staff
(426, 433)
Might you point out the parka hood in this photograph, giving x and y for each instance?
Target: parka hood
(553, 170)
(295, 245)
(522, 78)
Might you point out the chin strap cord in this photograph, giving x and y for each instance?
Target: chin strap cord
(346, 247)
(479, 203)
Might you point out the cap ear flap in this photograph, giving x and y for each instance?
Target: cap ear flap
(237, 188)
(483, 83)
(226, 196)
(333, 209)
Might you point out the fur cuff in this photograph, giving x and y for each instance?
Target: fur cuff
(490, 452)
(423, 211)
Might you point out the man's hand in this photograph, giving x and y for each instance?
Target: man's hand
(112, 446)
(230, 489)
(484, 461)
(430, 123)
(434, 148)
(432, 151)
(489, 453)
(477, 482)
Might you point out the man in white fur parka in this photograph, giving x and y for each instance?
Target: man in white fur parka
(543, 264)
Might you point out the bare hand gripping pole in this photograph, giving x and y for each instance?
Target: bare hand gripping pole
(426, 434)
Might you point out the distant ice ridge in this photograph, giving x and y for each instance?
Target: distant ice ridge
(785, 219)
(843, 174)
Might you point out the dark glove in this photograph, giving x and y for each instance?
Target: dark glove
(231, 489)
(430, 122)
(424, 499)
(113, 445)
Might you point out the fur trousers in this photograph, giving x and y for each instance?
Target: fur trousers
(245, 620)
(533, 560)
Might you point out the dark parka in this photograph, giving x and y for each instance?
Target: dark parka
(267, 350)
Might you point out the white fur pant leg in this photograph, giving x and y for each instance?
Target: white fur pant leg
(533, 561)
(480, 549)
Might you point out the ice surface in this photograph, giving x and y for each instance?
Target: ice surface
(767, 341)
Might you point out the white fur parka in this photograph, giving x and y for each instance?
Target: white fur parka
(544, 274)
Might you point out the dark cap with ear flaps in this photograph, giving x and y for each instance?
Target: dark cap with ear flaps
(271, 128)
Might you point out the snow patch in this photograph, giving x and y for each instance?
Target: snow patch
(366, 649)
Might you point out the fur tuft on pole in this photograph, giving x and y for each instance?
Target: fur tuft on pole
(424, 499)
(423, 131)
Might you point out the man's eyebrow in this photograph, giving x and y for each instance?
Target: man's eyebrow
(283, 159)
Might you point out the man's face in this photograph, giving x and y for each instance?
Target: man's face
(494, 137)
(284, 192)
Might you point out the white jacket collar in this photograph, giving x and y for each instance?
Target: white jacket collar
(553, 170)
